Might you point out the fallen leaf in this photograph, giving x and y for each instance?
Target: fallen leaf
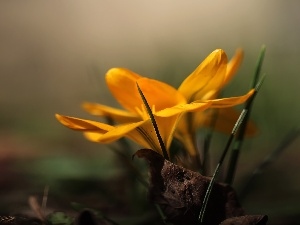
(246, 220)
(180, 193)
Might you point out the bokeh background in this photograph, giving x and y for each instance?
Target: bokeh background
(54, 55)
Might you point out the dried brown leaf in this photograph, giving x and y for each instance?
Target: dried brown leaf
(180, 193)
(246, 220)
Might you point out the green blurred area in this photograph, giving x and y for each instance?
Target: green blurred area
(54, 56)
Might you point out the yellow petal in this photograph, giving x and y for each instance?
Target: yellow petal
(93, 131)
(183, 108)
(233, 65)
(82, 125)
(208, 76)
(146, 136)
(113, 134)
(183, 131)
(225, 121)
(118, 115)
(122, 84)
(186, 133)
(229, 102)
(141, 132)
(190, 122)
(160, 94)
(167, 127)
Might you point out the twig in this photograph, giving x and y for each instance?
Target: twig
(36, 208)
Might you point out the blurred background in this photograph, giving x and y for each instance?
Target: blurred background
(54, 56)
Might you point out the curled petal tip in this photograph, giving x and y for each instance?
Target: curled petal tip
(218, 51)
(58, 116)
(113, 70)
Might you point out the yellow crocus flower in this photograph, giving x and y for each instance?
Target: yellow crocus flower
(168, 104)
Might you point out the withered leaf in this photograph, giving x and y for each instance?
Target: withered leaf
(180, 193)
(246, 220)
